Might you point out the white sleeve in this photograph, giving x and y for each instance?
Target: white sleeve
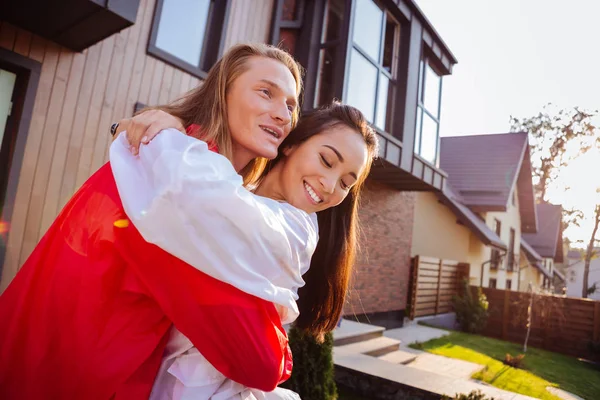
(191, 202)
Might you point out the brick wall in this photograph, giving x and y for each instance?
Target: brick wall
(382, 271)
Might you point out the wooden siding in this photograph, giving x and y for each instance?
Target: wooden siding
(78, 97)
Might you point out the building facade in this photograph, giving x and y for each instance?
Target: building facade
(381, 56)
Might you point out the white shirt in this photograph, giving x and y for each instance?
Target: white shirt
(191, 202)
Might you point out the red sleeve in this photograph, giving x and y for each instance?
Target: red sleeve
(239, 334)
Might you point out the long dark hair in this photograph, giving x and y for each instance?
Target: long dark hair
(322, 298)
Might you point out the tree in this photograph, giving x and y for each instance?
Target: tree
(590, 252)
(313, 373)
(551, 136)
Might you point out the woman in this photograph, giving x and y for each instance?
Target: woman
(84, 318)
(323, 162)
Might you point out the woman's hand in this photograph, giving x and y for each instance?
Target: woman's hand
(142, 128)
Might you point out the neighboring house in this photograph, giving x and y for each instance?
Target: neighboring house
(574, 273)
(532, 270)
(72, 84)
(485, 206)
(548, 243)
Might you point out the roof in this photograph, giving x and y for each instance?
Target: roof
(575, 254)
(486, 169)
(548, 239)
(470, 219)
(532, 255)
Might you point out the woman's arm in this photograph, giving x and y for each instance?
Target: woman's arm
(142, 128)
(190, 202)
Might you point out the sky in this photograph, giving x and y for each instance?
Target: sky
(514, 57)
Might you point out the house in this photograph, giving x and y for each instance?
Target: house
(73, 73)
(574, 274)
(485, 207)
(548, 243)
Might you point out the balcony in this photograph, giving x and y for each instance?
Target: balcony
(405, 171)
(74, 24)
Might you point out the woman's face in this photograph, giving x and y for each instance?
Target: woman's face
(318, 173)
(260, 103)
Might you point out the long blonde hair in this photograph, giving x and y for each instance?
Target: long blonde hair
(206, 105)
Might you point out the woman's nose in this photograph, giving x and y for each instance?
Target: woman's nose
(328, 184)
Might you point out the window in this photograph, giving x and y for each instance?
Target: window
(428, 113)
(372, 63)
(508, 284)
(187, 33)
(330, 44)
(511, 251)
(496, 259)
(492, 284)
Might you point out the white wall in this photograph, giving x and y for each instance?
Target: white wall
(574, 278)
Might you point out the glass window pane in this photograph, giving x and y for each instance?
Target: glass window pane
(333, 20)
(362, 83)
(418, 131)
(429, 139)
(390, 49)
(325, 79)
(368, 22)
(181, 28)
(432, 91)
(382, 102)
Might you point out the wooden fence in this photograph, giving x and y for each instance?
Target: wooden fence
(560, 324)
(433, 283)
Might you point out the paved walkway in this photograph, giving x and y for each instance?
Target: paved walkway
(563, 394)
(428, 371)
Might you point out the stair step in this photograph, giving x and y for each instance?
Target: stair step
(373, 347)
(353, 332)
(399, 357)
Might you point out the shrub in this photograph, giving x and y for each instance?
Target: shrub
(514, 362)
(312, 376)
(474, 395)
(471, 311)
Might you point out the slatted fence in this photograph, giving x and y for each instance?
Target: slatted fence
(433, 284)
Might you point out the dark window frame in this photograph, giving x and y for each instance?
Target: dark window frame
(212, 46)
(510, 263)
(393, 76)
(17, 128)
(495, 283)
(427, 61)
(509, 284)
(496, 261)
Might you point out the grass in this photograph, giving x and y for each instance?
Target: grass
(540, 368)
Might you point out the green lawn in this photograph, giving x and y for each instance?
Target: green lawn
(540, 368)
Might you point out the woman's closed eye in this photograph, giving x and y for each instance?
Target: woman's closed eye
(324, 160)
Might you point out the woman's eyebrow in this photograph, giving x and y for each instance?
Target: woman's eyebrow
(291, 99)
(340, 157)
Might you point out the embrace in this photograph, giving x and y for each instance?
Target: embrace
(219, 218)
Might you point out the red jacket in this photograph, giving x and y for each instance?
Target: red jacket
(87, 316)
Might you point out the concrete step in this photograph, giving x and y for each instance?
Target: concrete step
(399, 357)
(353, 332)
(373, 347)
(357, 370)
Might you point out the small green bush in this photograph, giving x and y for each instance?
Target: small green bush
(471, 311)
(313, 374)
(474, 395)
